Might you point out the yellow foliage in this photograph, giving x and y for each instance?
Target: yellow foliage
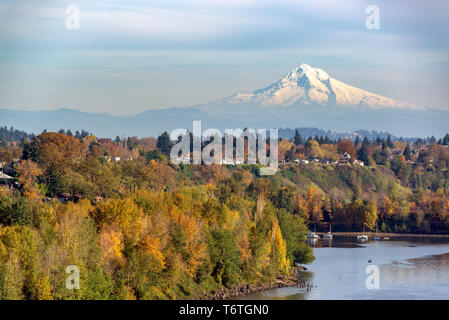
(89, 140)
(279, 248)
(151, 246)
(231, 219)
(28, 171)
(123, 213)
(244, 248)
(111, 243)
(283, 147)
(195, 245)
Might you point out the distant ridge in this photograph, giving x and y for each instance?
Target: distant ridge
(304, 97)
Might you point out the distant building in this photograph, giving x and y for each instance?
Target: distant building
(98, 199)
(112, 158)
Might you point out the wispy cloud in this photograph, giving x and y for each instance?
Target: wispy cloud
(163, 53)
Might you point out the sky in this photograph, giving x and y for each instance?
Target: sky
(129, 56)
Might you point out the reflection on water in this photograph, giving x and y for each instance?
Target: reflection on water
(424, 271)
(410, 268)
(341, 243)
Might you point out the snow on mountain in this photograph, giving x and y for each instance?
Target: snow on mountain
(305, 85)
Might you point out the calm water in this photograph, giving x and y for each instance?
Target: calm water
(410, 268)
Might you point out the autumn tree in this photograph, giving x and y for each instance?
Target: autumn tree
(347, 146)
(28, 172)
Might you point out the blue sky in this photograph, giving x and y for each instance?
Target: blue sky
(131, 56)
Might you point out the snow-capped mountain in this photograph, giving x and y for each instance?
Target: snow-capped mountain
(305, 97)
(306, 86)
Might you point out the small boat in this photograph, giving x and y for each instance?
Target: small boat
(328, 236)
(313, 235)
(386, 238)
(363, 237)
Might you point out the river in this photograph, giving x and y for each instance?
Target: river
(408, 268)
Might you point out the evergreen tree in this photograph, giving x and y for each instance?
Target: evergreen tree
(446, 140)
(163, 143)
(362, 153)
(408, 152)
(389, 142)
(378, 141)
(297, 139)
(419, 142)
(365, 142)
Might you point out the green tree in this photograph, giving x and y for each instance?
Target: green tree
(224, 256)
(363, 155)
(15, 210)
(294, 232)
(389, 142)
(408, 152)
(298, 139)
(164, 144)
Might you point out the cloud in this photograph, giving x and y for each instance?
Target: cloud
(181, 52)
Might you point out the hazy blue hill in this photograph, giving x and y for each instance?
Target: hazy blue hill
(305, 97)
(148, 123)
(407, 123)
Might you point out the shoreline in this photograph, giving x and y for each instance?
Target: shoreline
(386, 234)
(246, 289)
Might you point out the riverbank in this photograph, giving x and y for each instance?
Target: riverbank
(410, 268)
(242, 290)
(386, 234)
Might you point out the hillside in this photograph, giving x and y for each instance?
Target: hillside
(139, 227)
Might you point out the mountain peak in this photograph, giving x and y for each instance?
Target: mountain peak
(303, 85)
(309, 86)
(306, 75)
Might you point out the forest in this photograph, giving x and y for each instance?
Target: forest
(141, 227)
